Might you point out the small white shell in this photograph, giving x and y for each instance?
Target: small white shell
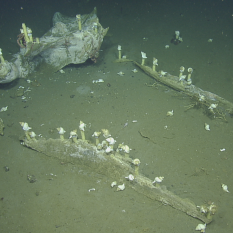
(201, 97)
(120, 73)
(212, 106)
(111, 141)
(3, 109)
(158, 179)
(210, 40)
(126, 148)
(162, 73)
(203, 209)
(61, 71)
(167, 46)
(130, 177)
(25, 126)
(121, 187)
(135, 70)
(114, 183)
(225, 188)
(170, 113)
(108, 149)
(98, 81)
(207, 127)
(92, 189)
(201, 227)
(32, 134)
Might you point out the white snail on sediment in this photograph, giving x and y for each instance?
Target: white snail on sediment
(170, 113)
(207, 127)
(201, 227)
(121, 73)
(3, 109)
(121, 187)
(114, 183)
(225, 188)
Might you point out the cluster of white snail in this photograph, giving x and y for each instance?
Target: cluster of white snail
(30, 135)
(208, 211)
(162, 73)
(212, 107)
(107, 145)
(121, 187)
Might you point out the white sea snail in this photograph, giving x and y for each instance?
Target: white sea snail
(207, 127)
(225, 188)
(121, 187)
(201, 227)
(158, 180)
